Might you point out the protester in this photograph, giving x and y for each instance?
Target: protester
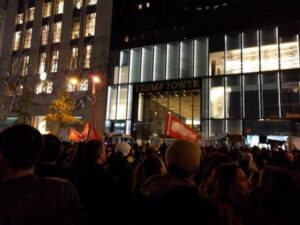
(174, 198)
(24, 198)
(98, 190)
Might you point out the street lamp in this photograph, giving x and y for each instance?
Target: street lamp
(95, 80)
(74, 81)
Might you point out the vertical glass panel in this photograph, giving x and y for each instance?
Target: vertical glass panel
(216, 97)
(217, 127)
(112, 102)
(141, 106)
(128, 127)
(233, 97)
(135, 65)
(205, 129)
(147, 64)
(270, 88)
(172, 60)
(234, 126)
(186, 59)
(76, 28)
(196, 111)
(251, 96)
(116, 75)
(205, 94)
(174, 104)
(186, 107)
(233, 53)
(269, 49)
(122, 103)
(201, 57)
(129, 101)
(159, 66)
(290, 94)
(250, 53)
(45, 35)
(216, 55)
(28, 36)
(289, 51)
(124, 62)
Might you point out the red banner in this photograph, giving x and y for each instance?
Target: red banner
(176, 129)
(88, 133)
(74, 135)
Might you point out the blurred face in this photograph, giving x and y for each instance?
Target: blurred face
(241, 183)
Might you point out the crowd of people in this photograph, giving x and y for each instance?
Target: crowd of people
(44, 181)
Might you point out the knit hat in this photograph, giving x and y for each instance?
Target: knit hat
(123, 148)
(184, 154)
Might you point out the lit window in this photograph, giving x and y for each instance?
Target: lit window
(54, 61)
(44, 87)
(87, 56)
(76, 28)
(74, 58)
(126, 39)
(25, 66)
(78, 4)
(47, 9)
(28, 35)
(82, 86)
(56, 32)
(140, 6)
(59, 7)
(30, 14)
(20, 90)
(92, 2)
(20, 18)
(45, 35)
(90, 25)
(17, 41)
(42, 62)
(148, 4)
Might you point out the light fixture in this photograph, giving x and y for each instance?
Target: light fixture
(43, 76)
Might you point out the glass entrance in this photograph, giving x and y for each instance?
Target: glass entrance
(185, 105)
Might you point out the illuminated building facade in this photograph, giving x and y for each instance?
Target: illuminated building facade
(51, 42)
(245, 82)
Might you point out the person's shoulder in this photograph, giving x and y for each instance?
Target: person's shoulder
(57, 184)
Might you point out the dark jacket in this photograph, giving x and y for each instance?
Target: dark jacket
(168, 199)
(99, 192)
(35, 201)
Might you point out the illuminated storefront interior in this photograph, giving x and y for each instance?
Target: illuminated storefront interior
(250, 83)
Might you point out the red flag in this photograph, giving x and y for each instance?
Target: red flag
(90, 133)
(175, 128)
(74, 135)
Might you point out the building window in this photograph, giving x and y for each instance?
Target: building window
(289, 53)
(74, 58)
(87, 56)
(90, 25)
(76, 28)
(54, 61)
(82, 86)
(25, 66)
(59, 7)
(140, 6)
(19, 18)
(47, 9)
(91, 2)
(44, 87)
(78, 4)
(17, 40)
(28, 35)
(42, 62)
(148, 4)
(217, 104)
(45, 35)
(56, 32)
(30, 14)
(20, 90)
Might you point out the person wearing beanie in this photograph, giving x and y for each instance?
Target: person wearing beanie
(174, 198)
